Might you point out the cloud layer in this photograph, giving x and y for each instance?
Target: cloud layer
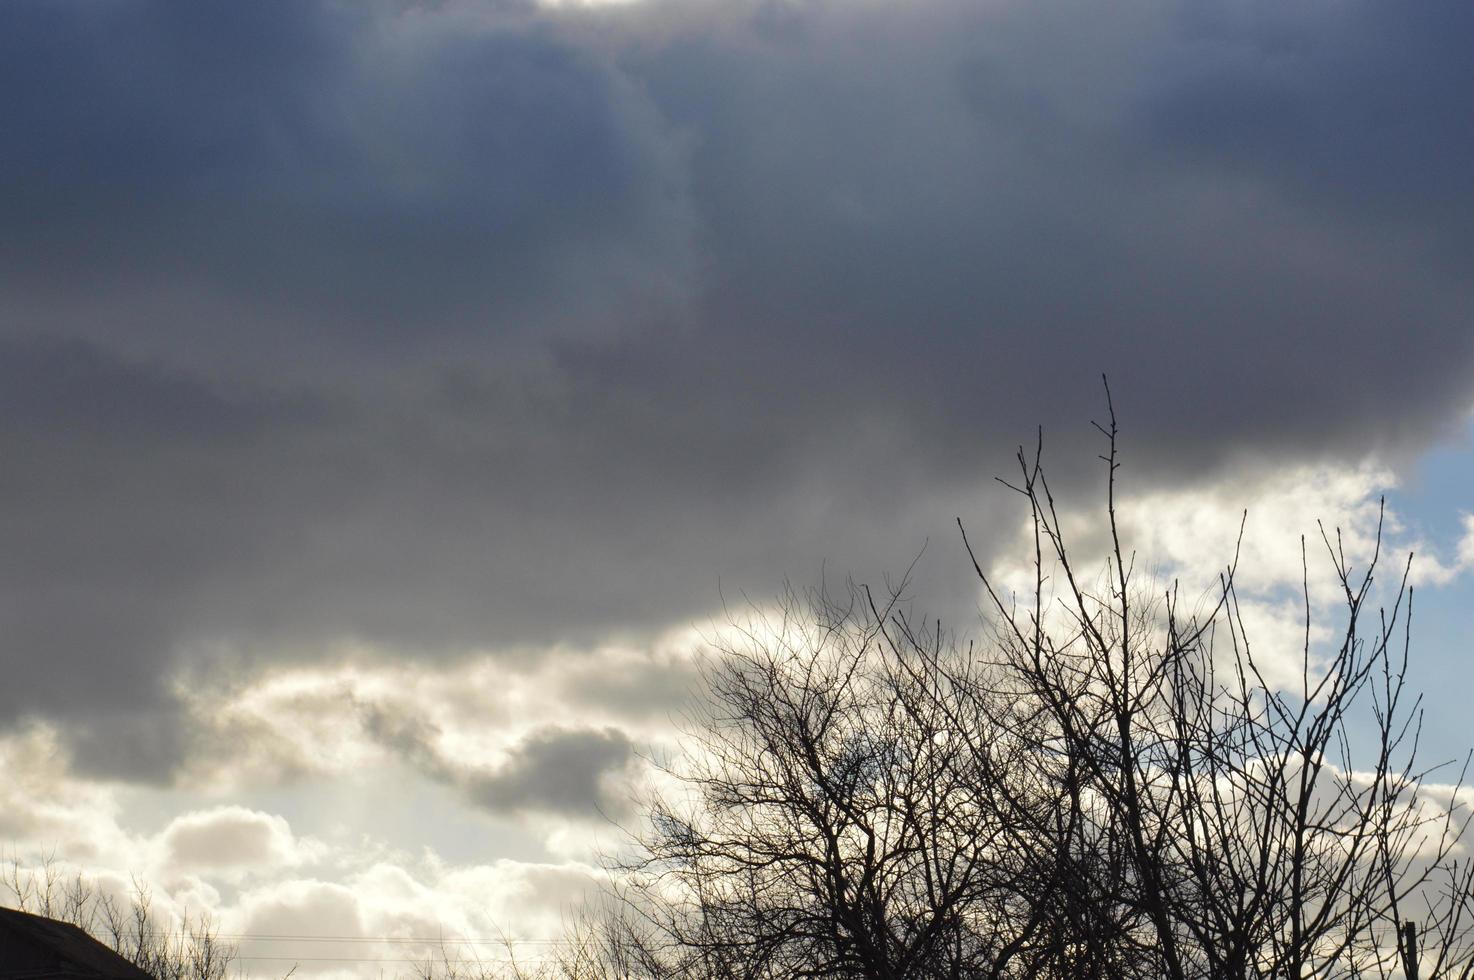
(484, 328)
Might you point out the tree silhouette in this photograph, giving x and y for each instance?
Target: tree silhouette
(1105, 786)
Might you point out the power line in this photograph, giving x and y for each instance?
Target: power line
(404, 940)
(416, 940)
(360, 959)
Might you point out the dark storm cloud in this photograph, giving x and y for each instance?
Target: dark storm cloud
(341, 170)
(453, 326)
(122, 496)
(1355, 110)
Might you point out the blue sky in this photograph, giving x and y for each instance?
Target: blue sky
(1435, 495)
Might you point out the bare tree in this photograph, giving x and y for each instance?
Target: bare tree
(188, 950)
(1255, 841)
(1106, 787)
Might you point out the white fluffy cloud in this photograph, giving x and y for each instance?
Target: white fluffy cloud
(261, 883)
(487, 722)
(1277, 523)
(44, 808)
(233, 840)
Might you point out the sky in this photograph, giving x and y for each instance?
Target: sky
(394, 395)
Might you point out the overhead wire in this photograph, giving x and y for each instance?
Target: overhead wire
(323, 938)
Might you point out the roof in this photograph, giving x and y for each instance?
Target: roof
(33, 947)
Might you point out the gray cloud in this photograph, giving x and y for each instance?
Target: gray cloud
(458, 326)
(568, 771)
(645, 689)
(574, 772)
(327, 176)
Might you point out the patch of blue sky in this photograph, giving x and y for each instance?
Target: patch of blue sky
(1432, 499)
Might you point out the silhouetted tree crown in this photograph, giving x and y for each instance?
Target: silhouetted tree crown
(1104, 786)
